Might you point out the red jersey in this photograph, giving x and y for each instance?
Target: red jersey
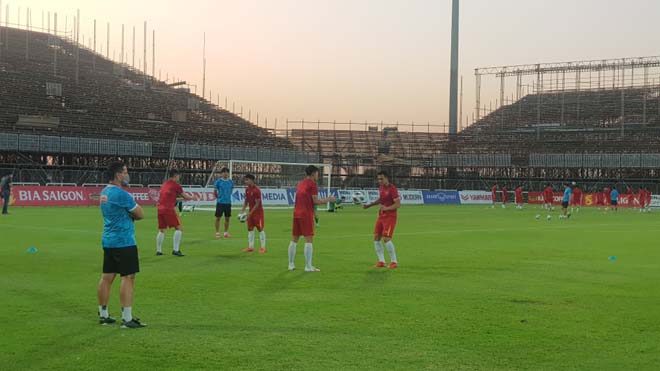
(645, 198)
(548, 195)
(252, 194)
(505, 195)
(577, 196)
(304, 207)
(388, 194)
(494, 190)
(608, 196)
(169, 192)
(519, 195)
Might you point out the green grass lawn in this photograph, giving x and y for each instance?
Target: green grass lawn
(476, 289)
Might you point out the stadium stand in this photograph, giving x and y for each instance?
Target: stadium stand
(66, 110)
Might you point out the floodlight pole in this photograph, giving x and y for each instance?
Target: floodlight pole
(453, 77)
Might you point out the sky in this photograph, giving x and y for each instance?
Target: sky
(358, 60)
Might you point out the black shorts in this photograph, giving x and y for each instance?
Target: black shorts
(122, 260)
(223, 209)
(615, 202)
(564, 204)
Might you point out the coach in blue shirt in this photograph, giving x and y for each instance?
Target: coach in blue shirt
(615, 198)
(120, 253)
(568, 195)
(223, 188)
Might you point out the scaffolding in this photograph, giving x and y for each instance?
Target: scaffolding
(634, 80)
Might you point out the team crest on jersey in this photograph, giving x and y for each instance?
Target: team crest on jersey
(104, 199)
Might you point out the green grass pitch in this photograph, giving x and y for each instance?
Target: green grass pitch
(477, 288)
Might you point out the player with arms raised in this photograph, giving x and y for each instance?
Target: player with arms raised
(389, 202)
(255, 216)
(307, 195)
(167, 217)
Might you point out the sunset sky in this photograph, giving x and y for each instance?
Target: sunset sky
(374, 60)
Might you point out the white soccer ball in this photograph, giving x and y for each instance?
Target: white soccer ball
(538, 216)
(549, 217)
(242, 217)
(358, 198)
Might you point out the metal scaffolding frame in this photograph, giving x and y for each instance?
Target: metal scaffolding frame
(587, 75)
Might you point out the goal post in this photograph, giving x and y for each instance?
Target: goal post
(277, 181)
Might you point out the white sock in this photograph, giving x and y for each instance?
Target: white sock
(390, 249)
(127, 314)
(251, 239)
(177, 240)
(159, 241)
(380, 251)
(262, 239)
(292, 252)
(103, 311)
(309, 251)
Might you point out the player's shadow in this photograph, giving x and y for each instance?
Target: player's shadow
(195, 241)
(377, 276)
(280, 282)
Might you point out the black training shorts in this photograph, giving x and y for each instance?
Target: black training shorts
(223, 209)
(122, 260)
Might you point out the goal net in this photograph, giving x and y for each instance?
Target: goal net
(277, 181)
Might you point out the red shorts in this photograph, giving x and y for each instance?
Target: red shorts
(385, 226)
(303, 226)
(256, 220)
(168, 219)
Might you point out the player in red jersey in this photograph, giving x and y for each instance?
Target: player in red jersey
(167, 218)
(307, 195)
(644, 199)
(519, 197)
(493, 194)
(255, 216)
(548, 195)
(389, 202)
(505, 196)
(577, 198)
(607, 192)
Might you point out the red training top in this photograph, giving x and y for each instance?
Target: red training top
(388, 194)
(304, 207)
(169, 192)
(252, 194)
(548, 195)
(577, 196)
(519, 195)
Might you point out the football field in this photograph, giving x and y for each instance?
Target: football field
(477, 288)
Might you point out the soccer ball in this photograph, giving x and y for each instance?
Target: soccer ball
(549, 217)
(538, 216)
(358, 198)
(242, 217)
